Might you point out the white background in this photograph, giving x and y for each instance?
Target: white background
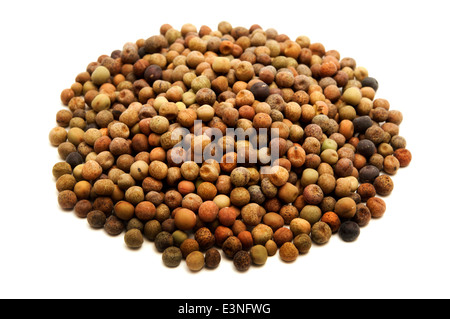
(48, 253)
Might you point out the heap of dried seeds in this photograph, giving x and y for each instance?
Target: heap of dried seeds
(319, 162)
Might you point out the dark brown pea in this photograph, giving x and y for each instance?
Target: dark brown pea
(362, 216)
(231, 246)
(83, 208)
(366, 148)
(67, 199)
(242, 260)
(96, 219)
(368, 173)
(114, 226)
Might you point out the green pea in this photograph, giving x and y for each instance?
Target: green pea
(258, 254)
(329, 144)
(100, 75)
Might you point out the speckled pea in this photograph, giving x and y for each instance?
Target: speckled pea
(321, 233)
(172, 256)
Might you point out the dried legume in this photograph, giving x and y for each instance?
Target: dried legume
(136, 159)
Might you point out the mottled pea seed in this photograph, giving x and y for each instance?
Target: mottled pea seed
(242, 260)
(135, 223)
(303, 243)
(58, 135)
(288, 252)
(96, 219)
(114, 226)
(67, 199)
(172, 256)
(163, 240)
(151, 229)
(134, 238)
(300, 226)
(61, 168)
(65, 182)
(212, 258)
(321, 233)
